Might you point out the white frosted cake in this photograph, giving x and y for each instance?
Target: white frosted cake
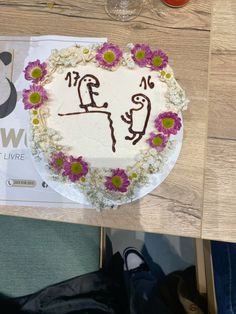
(103, 121)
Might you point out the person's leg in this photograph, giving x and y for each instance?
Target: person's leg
(143, 285)
(224, 266)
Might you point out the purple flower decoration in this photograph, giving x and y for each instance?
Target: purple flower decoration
(75, 168)
(158, 60)
(34, 97)
(118, 181)
(35, 71)
(109, 55)
(141, 54)
(58, 160)
(158, 141)
(168, 123)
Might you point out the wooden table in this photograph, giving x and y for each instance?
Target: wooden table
(219, 215)
(176, 206)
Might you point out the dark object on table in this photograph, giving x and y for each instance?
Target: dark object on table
(175, 3)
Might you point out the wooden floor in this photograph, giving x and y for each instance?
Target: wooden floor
(200, 41)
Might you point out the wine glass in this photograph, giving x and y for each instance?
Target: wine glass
(123, 10)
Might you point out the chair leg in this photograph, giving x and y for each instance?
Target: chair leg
(211, 296)
(200, 267)
(205, 276)
(102, 247)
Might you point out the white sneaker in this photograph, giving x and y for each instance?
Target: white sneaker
(134, 260)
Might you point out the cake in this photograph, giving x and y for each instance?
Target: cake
(103, 121)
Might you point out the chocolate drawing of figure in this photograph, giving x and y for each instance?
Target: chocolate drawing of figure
(86, 92)
(86, 96)
(137, 117)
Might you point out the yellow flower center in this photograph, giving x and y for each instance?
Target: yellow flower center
(157, 61)
(86, 51)
(59, 162)
(109, 56)
(36, 73)
(140, 55)
(35, 121)
(35, 98)
(157, 141)
(163, 73)
(116, 181)
(76, 167)
(168, 123)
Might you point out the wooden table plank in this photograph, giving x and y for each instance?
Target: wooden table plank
(222, 91)
(220, 185)
(195, 16)
(222, 97)
(219, 215)
(175, 207)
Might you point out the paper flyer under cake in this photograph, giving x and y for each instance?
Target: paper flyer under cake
(20, 183)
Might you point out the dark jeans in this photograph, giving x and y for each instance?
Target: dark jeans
(224, 264)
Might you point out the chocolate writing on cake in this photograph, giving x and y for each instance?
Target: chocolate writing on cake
(137, 130)
(146, 82)
(87, 86)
